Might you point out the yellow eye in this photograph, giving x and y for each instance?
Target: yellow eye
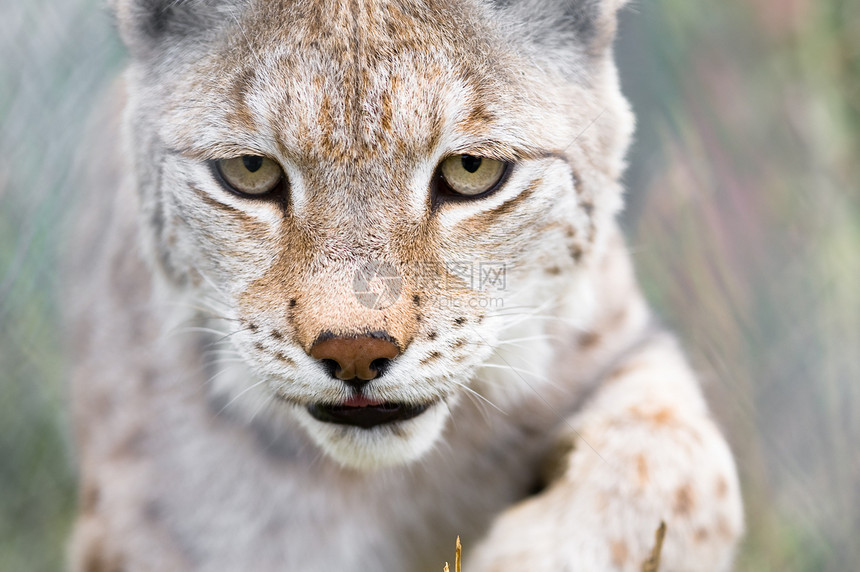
(250, 174)
(470, 175)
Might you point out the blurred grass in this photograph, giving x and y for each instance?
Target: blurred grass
(55, 57)
(745, 222)
(744, 219)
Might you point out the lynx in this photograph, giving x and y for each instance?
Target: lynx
(347, 283)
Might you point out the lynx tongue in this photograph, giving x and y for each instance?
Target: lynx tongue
(361, 401)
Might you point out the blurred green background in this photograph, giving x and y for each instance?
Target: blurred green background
(743, 216)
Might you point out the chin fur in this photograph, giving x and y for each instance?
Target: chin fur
(381, 446)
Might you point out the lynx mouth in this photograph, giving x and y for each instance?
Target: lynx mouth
(365, 413)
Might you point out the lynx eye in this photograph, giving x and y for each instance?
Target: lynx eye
(470, 176)
(250, 174)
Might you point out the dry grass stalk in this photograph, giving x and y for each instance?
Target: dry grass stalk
(456, 558)
(653, 562)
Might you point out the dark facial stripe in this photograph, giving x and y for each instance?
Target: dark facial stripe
(511, 204)
(221, 206)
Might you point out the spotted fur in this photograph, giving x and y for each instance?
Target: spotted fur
(563, 426)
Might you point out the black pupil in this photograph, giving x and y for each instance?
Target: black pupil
(470, 163)
(253, 163)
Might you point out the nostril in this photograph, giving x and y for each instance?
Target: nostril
(331, 367)
(360, 358)
(380, 366)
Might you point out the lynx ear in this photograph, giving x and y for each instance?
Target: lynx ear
(586, 25)
(146, 24)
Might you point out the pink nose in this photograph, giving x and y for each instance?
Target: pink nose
(355, 360)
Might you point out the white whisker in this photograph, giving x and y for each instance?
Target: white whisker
(472, 392)
(238, 395)
(536, 338)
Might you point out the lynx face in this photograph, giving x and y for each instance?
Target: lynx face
(373, 196)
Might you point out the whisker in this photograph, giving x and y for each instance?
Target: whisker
(226, 351)
(540, 337)
(194, 329)
(208, 312)
(483, 399)
(264, 403)
(549, 406)
(226, 360)
(515, 369)
(238, 395)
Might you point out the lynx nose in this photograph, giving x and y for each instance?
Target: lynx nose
(355, 360)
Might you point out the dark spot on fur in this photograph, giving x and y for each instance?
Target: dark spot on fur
(684, 500)
(724, 529)
(259, 346)
(620, 552)
(292, 302)
(460, 321)
(588, 207)
(416, 299)
(432, 336)
(722, 488)
(575, 179)
(588, 340)
(277, 335)
(283, 357)
(642, 470)
(252, 326)
(622, 371)
(431, 357)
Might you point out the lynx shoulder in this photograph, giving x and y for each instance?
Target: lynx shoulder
(354, 287)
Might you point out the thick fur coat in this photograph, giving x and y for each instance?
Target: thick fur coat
(558, 425)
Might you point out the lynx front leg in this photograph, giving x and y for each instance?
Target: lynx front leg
(643, 450)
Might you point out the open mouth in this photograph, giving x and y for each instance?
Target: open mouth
(365, 413)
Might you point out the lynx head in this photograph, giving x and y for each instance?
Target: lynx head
(372, 192)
